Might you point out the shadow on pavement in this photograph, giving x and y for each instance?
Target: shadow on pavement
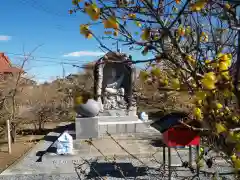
(115, 170)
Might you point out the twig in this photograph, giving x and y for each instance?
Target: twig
(194, 128)
(105, 157)
(99, 175)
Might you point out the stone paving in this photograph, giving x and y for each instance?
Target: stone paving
(38, 164)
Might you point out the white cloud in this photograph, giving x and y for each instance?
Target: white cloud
(84, 53)
(5, 38)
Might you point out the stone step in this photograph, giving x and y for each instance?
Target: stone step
(117, 118)
(124, 127)
(95, 127)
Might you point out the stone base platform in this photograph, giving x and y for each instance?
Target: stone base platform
(96, 127)
(118, 112)
(121, 127)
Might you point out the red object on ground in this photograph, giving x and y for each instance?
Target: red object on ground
(180, 137)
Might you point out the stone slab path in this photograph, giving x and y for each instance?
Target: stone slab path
(144, 160)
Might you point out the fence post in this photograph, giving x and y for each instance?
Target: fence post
(9, 137)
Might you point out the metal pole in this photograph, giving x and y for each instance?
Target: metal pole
(9, 137)
(197, 157)
(164, 157)
(190, 156)
(169, 164)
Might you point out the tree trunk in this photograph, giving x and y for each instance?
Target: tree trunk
(13, 132)
(40, 125)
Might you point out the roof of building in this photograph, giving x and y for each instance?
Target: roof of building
(6, 66)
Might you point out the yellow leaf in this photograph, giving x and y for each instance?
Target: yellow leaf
(219, 105)
(75, 2)
(138, 23)
(227, 110)
(236, 120)
(209, 81)
(111, 22)
(191, 59)
(220, 128)
(163, 82)
(175, 84)
(188, 30)
(133, 16)
(198, 113)
(93, 11)
(198, 5)
(84, 30)
(199, 102)
(207, 61)
(215, 64)
(225, 75)
(200, 163)
(223, 66)
(234, 157)
(236, 137)
(236, 163)
(230, 137)
(204, 37)
(201, 95)
(107, 32)
(181, 31)
(156, 71)
(224, 57)
(115, 33)
(174, 10)
(145, 35)
(227, 5)
(237, 147)
(178, 1)
(78, 100)
(143, 75)
(227, 58)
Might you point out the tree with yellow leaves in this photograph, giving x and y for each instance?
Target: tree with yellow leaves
(193, 38)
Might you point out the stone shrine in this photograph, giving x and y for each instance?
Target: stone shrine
(114, 77)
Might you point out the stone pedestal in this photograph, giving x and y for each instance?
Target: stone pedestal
(118, 113)
(121, 127)
(96, 127)
(86, 128)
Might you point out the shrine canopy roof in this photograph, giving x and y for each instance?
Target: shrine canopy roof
(108, 57)
(6, 66)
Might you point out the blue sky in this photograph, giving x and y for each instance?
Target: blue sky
(26, 24)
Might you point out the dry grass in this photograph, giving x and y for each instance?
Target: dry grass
(22, 146)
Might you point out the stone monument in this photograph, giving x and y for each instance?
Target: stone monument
(114, 76)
